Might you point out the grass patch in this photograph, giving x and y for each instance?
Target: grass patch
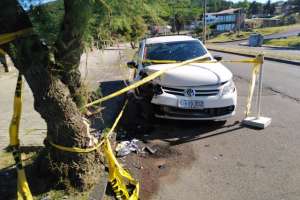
(284, 42)
(227, 37)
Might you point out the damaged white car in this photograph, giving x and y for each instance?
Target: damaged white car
(197, 91)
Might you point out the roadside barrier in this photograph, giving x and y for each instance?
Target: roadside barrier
(23, 191)
(8, 37)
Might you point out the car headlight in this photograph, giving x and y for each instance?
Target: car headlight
(229, 87)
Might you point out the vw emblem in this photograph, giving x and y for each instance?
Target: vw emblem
(190, 92)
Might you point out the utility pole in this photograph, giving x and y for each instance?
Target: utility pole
(204, 22)
(239, 22)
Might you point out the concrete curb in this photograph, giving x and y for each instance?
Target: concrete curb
(222, 42)
(272, 46)
(281, 47)
(291, 62)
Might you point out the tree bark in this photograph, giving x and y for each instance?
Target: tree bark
(52, 100)
(69, 46)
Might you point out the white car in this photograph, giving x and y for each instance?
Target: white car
(197, 91)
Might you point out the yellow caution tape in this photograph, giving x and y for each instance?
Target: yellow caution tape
(2, 52)
(142, 82)
(255, 70)
(160, 61)
(23, 191)
(15, 121)
(161, 72)
(23, 188)
(75, 149)
(8, 37)
(88, 150)
(118, 177)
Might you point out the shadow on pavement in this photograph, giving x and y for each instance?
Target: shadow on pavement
(178, 132)
(112, 107)
(173, 132)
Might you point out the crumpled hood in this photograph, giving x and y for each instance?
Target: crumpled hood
(194, 74)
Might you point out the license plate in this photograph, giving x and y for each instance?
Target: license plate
(191, 104)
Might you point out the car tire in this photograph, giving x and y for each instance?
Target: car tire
(139, 115)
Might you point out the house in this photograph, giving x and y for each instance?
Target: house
(211, 18)
(227, 20)
(230, 19)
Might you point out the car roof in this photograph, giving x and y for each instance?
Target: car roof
(166, 39)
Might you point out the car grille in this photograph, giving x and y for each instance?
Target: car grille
(201, 113)
(198, 91)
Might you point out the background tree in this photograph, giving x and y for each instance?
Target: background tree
(242, 4)
(179, 23)
(269, 8)
(254, 8)
(296, 5)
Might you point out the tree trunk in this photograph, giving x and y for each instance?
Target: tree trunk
(69, 46)
(52, 100)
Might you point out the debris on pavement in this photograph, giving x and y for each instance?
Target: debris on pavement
(126, 147)
(149, 149)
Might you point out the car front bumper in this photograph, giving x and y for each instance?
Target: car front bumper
(214, 107)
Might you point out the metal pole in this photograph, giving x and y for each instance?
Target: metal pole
(239, 22)
(204, 22)
(260, 87)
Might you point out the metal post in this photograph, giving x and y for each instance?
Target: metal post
(260, 88)
(204, 22)
(239, 22)
(258, 121)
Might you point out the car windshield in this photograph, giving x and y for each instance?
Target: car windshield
(178, 51)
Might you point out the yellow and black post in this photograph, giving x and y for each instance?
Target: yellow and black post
(23, 191)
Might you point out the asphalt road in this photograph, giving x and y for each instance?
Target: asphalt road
(279, 77)
(234, 162)
(291, 32)
(243, 44)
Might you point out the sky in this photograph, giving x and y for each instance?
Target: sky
(27, 3)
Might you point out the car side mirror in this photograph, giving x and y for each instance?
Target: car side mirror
(218, 58)
(132, 64)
